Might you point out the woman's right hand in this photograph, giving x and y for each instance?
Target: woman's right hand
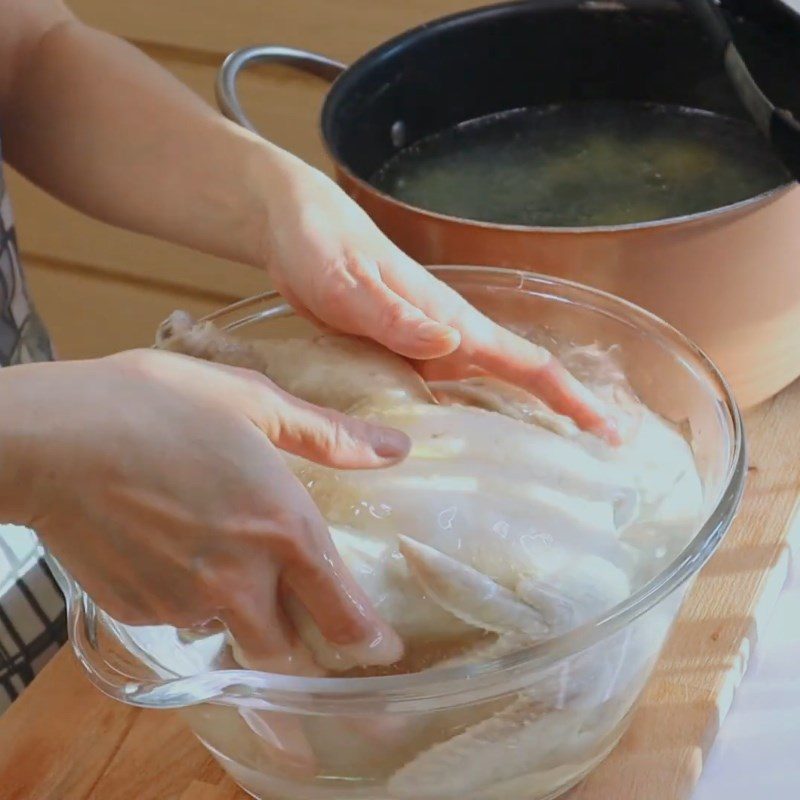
(155, 479)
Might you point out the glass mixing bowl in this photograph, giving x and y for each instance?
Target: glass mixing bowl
(281, 736)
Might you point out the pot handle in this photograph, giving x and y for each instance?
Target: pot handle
(228, 97)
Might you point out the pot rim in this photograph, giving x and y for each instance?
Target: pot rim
(749, 204)
(500, 9)
(446, 686)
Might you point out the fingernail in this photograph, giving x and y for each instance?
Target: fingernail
(387, 648)
(431, 331)
(611, 433)
(389, 443)
(382, 647)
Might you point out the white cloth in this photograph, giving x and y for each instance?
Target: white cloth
(757, 751)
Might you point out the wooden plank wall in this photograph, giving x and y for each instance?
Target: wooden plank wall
(101, 289)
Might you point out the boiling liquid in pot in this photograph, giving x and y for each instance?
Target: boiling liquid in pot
(583, 165)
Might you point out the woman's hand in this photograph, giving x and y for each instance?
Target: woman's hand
(335, 267)
(199, 180)
(155, 480)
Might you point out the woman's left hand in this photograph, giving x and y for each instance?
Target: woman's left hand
(335, 267)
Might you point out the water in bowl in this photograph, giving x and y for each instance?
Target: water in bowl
(584, 164)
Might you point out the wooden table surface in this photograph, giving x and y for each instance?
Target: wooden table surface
(63, 740)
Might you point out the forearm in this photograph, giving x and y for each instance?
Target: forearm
(101, 126)
(17, 412)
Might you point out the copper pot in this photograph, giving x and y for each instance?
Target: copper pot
(728, 278)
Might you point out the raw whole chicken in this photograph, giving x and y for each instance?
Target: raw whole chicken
(505, 526)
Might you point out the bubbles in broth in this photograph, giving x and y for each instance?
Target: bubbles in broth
(584, 165)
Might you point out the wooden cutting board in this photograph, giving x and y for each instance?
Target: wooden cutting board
(64, 741)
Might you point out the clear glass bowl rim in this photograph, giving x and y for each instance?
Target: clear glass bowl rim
(438, 687)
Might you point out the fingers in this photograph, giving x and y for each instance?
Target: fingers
(298, 553)
(261, 642)
(451, 368)
(263, 639)
(488, 347)
(323, 435)
(300, 309)
(342, 612)
(425, 291)
(533, 368)
(566, 395)
(313, 575)
(364, 305)
(402, 327)
(318, 578)
(294, 531)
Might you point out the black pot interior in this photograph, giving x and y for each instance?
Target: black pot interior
(549, 51)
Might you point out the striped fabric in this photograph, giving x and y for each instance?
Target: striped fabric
(23, 338)
(32, 616)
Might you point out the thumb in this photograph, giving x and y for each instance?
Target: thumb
(328, 437)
